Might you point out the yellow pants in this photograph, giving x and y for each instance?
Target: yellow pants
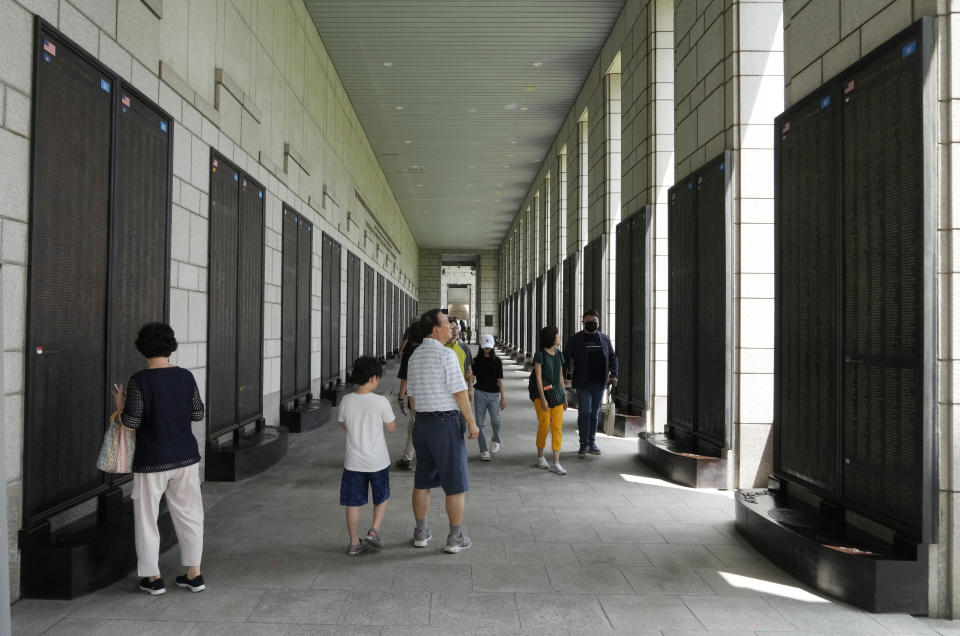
(550, 419)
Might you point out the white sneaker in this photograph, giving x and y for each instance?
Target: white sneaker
(557, 468)
(485, 456)
(541, 463)
(495, 447)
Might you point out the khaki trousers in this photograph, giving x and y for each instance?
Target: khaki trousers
(182, 488)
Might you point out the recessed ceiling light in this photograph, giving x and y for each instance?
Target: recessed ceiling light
(529, 89)
(513, 142)
(473, 110)
(524, 108)
(419, 185)
(398, 107)
(506, 166)
(538, 64)
(408, 141)
(414, 167)
(389, 64)
(510, 156)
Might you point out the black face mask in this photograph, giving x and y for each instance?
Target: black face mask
(592, 326)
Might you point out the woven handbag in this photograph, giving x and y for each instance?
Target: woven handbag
(119, 442)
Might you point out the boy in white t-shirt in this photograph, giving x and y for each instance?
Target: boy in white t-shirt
(366, 465)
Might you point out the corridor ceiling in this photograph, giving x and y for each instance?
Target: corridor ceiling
(462, 99)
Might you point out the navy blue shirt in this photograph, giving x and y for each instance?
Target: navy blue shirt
(161, 404)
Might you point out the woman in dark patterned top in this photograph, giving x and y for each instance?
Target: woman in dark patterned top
(160, 403)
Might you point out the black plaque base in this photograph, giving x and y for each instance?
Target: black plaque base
(674, 460)
(333, 395)
(247, 457)
(628, 425)
(844, 562)
(86, 555)
(305, 418)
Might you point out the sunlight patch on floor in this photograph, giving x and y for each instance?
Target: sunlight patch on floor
(768, 587)
(652, 481)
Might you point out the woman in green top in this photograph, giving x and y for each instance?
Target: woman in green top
(550, 400)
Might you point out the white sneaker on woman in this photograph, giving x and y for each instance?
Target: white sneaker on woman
(541, 463)
(557, 468)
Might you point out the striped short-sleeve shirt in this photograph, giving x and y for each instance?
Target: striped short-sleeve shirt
(433, 376)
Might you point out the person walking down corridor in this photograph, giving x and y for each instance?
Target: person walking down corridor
(436, 385)
(595, 365)
(411, 341)
(549, 397)
(366, 463)
(463, 355)
(160, 402)
(488, 395)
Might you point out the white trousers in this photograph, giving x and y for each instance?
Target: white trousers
(182, 488)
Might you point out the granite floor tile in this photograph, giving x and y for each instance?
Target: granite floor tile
(643, 516)
(124, 600)
(218, 604)
(332, 630)
(565, 611)
(355, 576)
(564, 532)
(540, 553)
(693, 534)
(110, 627)
(398, 607)
(474, 609)
(239, 629)
(627, 533)
(510, 578)
(609, 554)
(455, 577)
(680, 555)
(746, 613)
(666, 581)
(34, 616)
(825, 616)
(648, 613)
(255, 572)
(588, 580)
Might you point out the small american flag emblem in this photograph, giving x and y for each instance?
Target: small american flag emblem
(49, 47)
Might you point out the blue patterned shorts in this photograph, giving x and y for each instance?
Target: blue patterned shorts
(354, 486)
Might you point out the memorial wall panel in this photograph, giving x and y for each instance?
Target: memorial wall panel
(66, 383)
(353, 308)
(882, 252)
(682, 329)
(712, 298)
(222, 304)
(250, 297)
(807, 225)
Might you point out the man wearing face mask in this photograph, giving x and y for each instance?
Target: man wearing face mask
(595, 365)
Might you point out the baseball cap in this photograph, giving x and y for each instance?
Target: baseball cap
(486, 341)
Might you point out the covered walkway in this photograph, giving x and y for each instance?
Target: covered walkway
(607, 548)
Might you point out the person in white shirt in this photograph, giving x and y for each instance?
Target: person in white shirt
(366, 465)
(439, 398)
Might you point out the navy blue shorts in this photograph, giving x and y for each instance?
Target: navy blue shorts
(441, 453)
(354, 486)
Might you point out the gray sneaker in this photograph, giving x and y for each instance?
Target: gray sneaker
(421, 537)
(458, 544)
(357, 548)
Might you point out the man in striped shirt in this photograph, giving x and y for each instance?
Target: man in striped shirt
(439, 398)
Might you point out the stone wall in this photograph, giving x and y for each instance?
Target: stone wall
(251, 80)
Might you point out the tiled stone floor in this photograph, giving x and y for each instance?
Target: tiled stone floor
(607, 548)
